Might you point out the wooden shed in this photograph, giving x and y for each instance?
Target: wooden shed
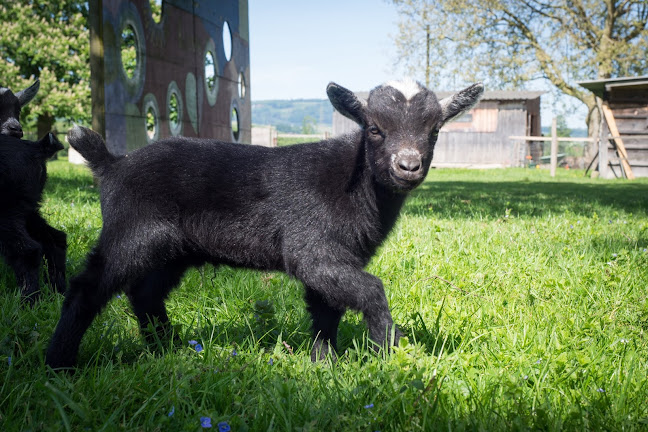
(623, 147)
(480, 138)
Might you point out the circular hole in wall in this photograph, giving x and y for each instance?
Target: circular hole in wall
(151, 118)
(174, 111)
(174, 108)
(210, 70)
(151, 123)
(241, 86)
(235, 124)
(227, 41)
(156, 10)
(128, 50)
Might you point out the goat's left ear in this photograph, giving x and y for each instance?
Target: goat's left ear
(347, 103)
(25, 96)
(457, 104)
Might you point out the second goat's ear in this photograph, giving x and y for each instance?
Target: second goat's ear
(346, 103)
(24, 96)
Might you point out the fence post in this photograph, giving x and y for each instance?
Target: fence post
(554, 146)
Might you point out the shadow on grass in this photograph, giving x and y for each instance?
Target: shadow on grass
(71, 187)
(491, 200)
(116, 344)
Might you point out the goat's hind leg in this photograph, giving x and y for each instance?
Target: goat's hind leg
(88, 294)
(54, 243)
(24, 256)
(147, 298)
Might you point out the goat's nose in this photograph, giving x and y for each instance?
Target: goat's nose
(14, 128)
(16, 131)
(410, 163)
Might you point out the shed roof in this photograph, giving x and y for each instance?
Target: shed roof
(488, 95)
(500, 94)
(600, 87)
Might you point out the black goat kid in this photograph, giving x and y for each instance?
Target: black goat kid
(317, 211)
(10, 106)
(25, 237)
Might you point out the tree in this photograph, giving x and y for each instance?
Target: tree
(562, 130)
(49, 41)
(509, 43)
(309, 125)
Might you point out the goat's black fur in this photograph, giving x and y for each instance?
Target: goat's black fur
(25, 237)
(10, 106)
(317, 211)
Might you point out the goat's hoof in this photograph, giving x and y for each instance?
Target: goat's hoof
(60, 363)
(30, 298)
(321, 351)
(59, 284)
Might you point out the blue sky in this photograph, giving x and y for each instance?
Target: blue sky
(298, 47)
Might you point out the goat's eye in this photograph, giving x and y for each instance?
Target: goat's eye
(373, 130)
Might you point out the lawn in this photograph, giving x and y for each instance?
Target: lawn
(524, 299)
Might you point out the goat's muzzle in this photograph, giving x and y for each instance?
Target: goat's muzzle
(407, 168)
(13, 128)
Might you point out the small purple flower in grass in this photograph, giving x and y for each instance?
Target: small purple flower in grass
(224, 427)
(270, 362)
(369, 406)
(193, 342)
(118, 296)
(172, 411)
(539, 361)
(205, 422)
(198, 348)
(234, 353)
(614, 255)
(600, 390)
(9, 360)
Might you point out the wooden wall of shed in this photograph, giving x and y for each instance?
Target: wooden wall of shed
(630, 108)
(485, 148)
(343, 125)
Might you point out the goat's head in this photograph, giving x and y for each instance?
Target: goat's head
(401, 122)
(10, 106)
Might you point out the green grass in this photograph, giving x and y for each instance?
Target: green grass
(524, 299)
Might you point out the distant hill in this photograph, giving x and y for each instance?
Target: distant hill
(575, 133)
(294, 116)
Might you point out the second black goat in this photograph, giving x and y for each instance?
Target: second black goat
(25, 237)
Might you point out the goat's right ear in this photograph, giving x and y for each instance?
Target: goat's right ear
(25, 96)
(461, 102)
(346, 103)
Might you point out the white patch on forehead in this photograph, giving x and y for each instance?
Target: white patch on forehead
(408, 87)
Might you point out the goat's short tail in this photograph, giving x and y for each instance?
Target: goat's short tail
(92, 147)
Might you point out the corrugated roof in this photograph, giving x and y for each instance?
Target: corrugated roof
(501, 94)
(488, 95)
(599, 87)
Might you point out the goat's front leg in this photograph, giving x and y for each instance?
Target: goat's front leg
(54, 244)
(325, 325)
(341, 286)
